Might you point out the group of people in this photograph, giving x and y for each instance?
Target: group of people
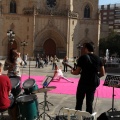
(42, 61)
(89, 66)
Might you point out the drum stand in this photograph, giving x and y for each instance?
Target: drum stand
(45, 104)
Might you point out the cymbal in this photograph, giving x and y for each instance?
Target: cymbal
(41, 90)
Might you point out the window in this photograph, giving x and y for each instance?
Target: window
(12, 6)
(104, 18)
(111, 17)
(111, 13)
(104, 13)
(87, 11)
(110, 27)
(117, 12)
(117, 21)
(117, 27)
(110, 22)
(104, 22)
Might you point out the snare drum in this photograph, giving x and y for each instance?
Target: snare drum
(29, 86)
(28, 107)
(15, 81)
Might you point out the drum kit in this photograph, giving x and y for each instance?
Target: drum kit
(26, 99)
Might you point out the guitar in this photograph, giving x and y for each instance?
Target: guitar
(64, 63)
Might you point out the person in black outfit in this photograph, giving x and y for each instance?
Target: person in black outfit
(65, 60)
(88, 66)
(37, 60)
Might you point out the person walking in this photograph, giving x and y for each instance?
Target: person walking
(54, 62)
(65, 60)
(75, 62)
(91, 69)
(37, 60)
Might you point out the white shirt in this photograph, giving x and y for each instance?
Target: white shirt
(58, 74)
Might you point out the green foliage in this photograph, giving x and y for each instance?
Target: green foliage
(112, 43)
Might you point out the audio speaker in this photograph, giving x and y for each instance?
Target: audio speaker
(115, 115)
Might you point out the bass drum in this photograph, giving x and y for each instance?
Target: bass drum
(28, 107)
(29, 86)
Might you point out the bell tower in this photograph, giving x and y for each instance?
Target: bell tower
(83, 25)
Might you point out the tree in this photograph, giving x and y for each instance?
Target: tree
(112, 43)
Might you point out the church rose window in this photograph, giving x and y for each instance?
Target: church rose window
(51, 3)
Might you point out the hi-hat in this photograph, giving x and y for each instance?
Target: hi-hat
(41, 90)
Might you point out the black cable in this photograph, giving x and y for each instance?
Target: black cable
(60, 110)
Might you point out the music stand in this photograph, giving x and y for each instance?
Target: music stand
(45, 84)
(112, 81)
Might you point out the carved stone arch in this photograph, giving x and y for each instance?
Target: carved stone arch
(81, 42)
(5, 41)
(84, 40)
(91, 8)
(50, 33)
(53, 28)
(59, 40)
(46, 38)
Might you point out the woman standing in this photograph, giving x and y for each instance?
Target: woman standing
(13, 63)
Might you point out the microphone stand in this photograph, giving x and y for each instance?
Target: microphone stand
(29, 67)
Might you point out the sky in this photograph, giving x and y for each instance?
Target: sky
(105, 2)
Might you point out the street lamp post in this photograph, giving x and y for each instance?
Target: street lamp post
(79, 47)
(11, 36)
(24, 44)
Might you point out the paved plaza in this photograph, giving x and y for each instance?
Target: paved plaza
(62, 100)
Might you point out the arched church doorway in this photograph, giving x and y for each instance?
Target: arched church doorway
(49, 47)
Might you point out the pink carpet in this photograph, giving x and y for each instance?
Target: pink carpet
(64, 87)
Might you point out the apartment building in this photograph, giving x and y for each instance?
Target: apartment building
(110, 15)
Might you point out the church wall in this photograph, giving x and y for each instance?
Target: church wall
(23, 28)
(82, 24)
(56, 24)
(66, 32)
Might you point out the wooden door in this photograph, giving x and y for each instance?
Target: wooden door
(49, 47)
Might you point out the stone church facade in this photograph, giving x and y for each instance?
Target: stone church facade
(51, 27)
